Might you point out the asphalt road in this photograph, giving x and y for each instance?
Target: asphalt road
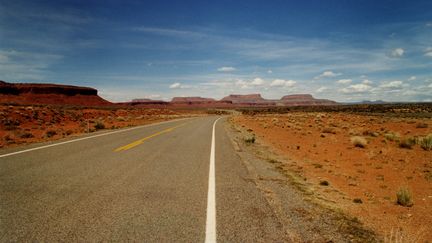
(147, 184)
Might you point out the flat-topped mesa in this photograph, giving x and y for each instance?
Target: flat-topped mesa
(244, 99)
(298, 97)
(304, 100)
(20, 88)
(194, 99)
(56, 94)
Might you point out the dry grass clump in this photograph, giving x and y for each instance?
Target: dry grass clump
(392, 136)
(370, 133)
(404, 197)
(50, 133)
(358, 141)
(426, 142)
(408, 143)
(250, 140)
(99, 125)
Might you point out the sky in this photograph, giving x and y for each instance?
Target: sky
(345, 50)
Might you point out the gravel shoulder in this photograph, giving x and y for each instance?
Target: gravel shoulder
(304, 216)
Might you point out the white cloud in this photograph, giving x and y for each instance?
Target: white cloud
(356, 88)
(392, 85)
(412, 78)
(430, 86)
(153, 96)
(344, 81)
(328, 74)
(398, 52)
(242, 84)
(245, 84)
(428, 54)
(175, 86)
(429, 24)
(282, 83)
(367, 81)
(321, 89)
(226, 69)
(257, 82)
(269, 71)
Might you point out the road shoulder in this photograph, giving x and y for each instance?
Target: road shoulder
(303, 217)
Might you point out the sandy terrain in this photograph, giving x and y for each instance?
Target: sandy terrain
(29, 124)
(362, 181)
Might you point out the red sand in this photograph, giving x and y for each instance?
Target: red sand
(320, 145)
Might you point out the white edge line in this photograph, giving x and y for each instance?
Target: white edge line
(85, 138)
(211, 196)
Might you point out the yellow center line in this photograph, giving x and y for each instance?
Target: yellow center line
(140, 141)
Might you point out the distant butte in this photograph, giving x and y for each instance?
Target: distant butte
(55, 94)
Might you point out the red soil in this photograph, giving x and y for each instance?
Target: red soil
(29, 124)
(319, 148)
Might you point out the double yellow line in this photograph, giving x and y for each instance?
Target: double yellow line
(140, 141)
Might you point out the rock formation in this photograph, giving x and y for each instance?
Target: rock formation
(53, 94)
(303, 100)
(244, 99)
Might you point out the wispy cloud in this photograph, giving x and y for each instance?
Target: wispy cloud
(169, 32)
(397, 53)
(175, 86)
(328, 74)
(22, 66)
(356, 88)
(226, 69)
(344, 81)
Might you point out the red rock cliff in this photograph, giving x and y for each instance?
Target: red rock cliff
(31, 93)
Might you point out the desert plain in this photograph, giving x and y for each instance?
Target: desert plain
(357, 161)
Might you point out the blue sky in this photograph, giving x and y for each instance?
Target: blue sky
(341, 50)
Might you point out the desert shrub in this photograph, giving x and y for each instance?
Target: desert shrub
(404, 197)
(370, 133)
(329, 130)
(50, 133)
(357, 200)
(11, 125)
(26, 135)
(426, 143)
(422, 125)
(358, 141)
(69, 132)
(318, 166)
(407, 143)
(99, 125)
(324, 183)
(392, 136)
(250, 140)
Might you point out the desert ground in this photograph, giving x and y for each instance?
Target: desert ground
(21, 124)
(371, 163)
(355, 162)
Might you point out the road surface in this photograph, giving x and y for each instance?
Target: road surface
(151, 183)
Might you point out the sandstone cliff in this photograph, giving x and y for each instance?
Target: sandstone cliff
(53, 94)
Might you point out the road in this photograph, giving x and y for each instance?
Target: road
(147, 183)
